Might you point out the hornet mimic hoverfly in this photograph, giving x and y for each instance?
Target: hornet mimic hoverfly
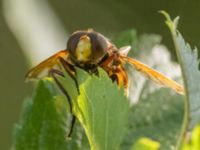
(89, 50)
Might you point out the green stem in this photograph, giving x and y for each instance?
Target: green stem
(173, 29)
(186, 103)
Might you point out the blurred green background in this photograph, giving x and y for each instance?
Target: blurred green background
(105, 16)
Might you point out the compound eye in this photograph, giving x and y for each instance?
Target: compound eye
(99, 46)
(73, 41)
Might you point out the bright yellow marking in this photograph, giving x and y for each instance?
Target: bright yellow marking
(84, 48)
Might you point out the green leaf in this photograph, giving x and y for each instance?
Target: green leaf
(44, 121)
(194, 143)
(102, 108)
(138, 43)
(191, 75)
(145, 144)
(157, 116)
(128, 37)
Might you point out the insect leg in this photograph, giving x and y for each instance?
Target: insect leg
(53, 73)
(73, 121)
(71, 72)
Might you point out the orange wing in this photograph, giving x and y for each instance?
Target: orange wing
(154, 75)
(47, 64)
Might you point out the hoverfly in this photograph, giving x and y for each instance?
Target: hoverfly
(89, 50)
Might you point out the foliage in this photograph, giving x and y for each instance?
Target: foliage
(189, 65)
(194, 143)
(98, 112)
(145, 144)
(138, 43)
(43, 122)
(156, 118)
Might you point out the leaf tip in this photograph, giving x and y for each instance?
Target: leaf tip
(165, 14)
